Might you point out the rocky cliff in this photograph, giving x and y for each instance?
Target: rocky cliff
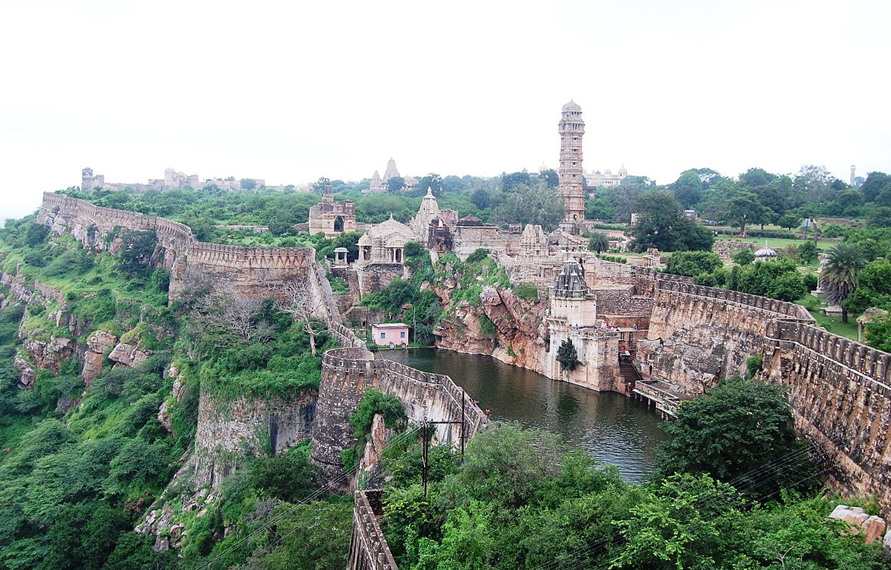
(502, 325)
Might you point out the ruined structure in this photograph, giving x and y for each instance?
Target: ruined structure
(573, 319)
(381, 184)
(572, 129)
(384, 244)
(172, 179)
(346, 372)
(332, 218)
(607, 179)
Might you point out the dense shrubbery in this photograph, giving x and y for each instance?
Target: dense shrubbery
(521, 500)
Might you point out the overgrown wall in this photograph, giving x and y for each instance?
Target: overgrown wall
(347, 372)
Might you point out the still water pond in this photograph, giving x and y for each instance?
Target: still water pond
(615, 429)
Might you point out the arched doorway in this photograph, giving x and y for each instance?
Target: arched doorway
(338, 224)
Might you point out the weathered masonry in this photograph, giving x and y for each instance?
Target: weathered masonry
(840, 390)
(346, 372)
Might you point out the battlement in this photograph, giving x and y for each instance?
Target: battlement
(875, 365)
(368, 546)
(764, 303)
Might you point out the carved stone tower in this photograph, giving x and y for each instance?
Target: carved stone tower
(572, 129)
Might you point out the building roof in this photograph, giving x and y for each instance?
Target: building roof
(572, 106)
(390, 325)
(571, 282)
(765, 252)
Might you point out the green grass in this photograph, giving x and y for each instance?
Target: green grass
(832, 324)
(777, 242)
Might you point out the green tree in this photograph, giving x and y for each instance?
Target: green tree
(136, 253)
(873, 288)
(807, 253)
(687, 188)
(662, 224)
(598, 241)
(550, 177)
(744, 257)
(788, 221)
(567, 355)
(741, 432)
(530, 205)
(248, 184)
(743, 209)
(693, 263)
(395, 184)
(318, 537)
(686, 521)
(839, 275)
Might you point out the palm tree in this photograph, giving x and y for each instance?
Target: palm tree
(599, 242)
(839, 275)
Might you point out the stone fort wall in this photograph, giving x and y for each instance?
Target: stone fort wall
(251, 271)
(346, 372)
(840, 390)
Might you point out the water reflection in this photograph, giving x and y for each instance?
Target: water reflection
(615, 429)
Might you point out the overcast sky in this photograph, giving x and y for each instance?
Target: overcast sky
(293, 91)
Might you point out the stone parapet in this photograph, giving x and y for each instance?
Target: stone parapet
(346, 372)
(368, 546)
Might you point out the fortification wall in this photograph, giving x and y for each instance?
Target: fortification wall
(345, 375)
(840, 391)
(253, 271)
(622, 301)
(232, 431)
(368, 546)
(699, 334)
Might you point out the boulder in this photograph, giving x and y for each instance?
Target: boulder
(27, 374)
(871, 527)
(127, 355)
(50, 354)
(94, 357)
(887, 541)
(100, 341)
(851, 515)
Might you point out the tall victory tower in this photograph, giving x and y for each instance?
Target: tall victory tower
(572, 129)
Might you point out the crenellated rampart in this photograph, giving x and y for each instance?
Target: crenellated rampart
(345, 375)
(368, 546)
(840, 390)
(248, 270)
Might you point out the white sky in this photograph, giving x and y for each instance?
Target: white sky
(292, 91)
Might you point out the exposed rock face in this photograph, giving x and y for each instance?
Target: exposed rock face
(97, 344)
(520, 326)
(50, 354)
(164, 417)
(27, 374)
(370, 462)
(127, 355)
(162, 522)
(871, 527)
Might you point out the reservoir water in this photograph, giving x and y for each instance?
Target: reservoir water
(615, 429)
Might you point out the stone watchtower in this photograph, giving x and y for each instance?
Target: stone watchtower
(572, 129)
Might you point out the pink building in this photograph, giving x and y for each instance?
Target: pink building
(390, 334)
